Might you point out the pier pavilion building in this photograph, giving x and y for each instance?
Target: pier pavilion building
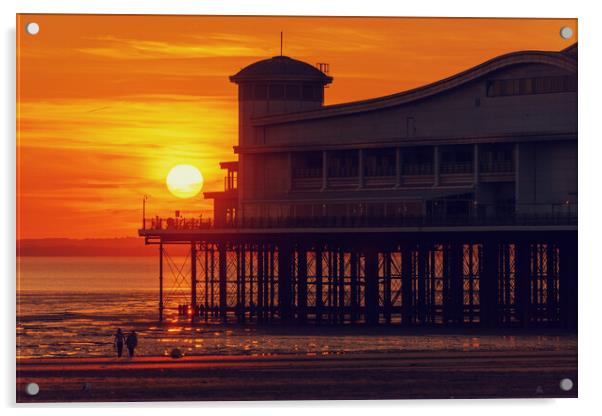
(450, 203)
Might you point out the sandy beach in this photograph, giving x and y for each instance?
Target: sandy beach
(295, 377)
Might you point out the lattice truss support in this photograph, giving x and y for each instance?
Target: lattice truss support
(487, 282)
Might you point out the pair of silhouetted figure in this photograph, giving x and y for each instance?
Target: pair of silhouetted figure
(130, 341)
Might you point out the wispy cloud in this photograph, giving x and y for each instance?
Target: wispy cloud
(210, 46)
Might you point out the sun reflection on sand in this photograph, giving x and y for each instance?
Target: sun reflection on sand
(89, 333)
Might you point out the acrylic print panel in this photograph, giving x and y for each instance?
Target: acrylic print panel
(268, 208)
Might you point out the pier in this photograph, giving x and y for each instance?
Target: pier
(489, 276)
(454, 203)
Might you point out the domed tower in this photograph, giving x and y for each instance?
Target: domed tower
(276, 85)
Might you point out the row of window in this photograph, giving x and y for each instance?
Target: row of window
(452, 208)
(348, 210)
(495, 88)
(533, 85)
(418, 161)
(290, 92)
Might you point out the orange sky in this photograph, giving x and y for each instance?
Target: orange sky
(108, 104)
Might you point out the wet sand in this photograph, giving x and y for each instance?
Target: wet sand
(432, 375)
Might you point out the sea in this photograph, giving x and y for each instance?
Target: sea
(72, 306)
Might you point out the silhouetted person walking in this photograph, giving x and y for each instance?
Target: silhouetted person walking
(131, 342)
(118, 342)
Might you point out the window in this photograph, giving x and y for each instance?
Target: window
(307, 164)
(417, 160)
(308, 92)
(293, 92)
(261, 92)
(526, 86)
(343, 163)
(456, 159)
(246, 92)
(276, 92)
(498, 157)
(534, 85)
(379, 162)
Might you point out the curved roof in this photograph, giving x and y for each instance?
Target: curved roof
(280, 68)
(565, 59)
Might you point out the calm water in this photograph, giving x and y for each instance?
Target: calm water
(72, 306)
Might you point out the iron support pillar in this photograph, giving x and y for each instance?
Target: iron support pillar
(422, 277)
(302, 284)
(240, 285)
(353, 271)
(284, 282)
(260, 270)
(371, 291)
(193, 303)
(161, 281)
(223, 281)
(446, 280)
(341, 286)
(523, 281)
(457, 283)
(387, 286)
(488, 283)
(319, 287)
(406, 285)
(243, 281)
(266, 283)
(206, 272)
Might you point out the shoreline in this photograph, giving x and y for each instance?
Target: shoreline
(416, 375)
(251, 340)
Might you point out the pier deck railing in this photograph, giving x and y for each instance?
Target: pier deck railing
(524, 215)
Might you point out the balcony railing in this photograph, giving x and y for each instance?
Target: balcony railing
(483, 215)
(406, 169)
(302, 173)
(386, 170)
(497, 167)
(406, 221)
(417, 169)
(343, 172)
(177, 223)
(456, 168)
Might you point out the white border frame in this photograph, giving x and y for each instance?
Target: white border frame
(590, 340)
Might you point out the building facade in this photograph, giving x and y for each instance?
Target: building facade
(450, 204)
(495, 143)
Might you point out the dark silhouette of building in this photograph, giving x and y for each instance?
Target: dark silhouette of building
(455, 202)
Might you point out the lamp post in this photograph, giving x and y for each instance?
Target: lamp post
(144, 199)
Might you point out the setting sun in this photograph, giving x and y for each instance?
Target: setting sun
(184, 181)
